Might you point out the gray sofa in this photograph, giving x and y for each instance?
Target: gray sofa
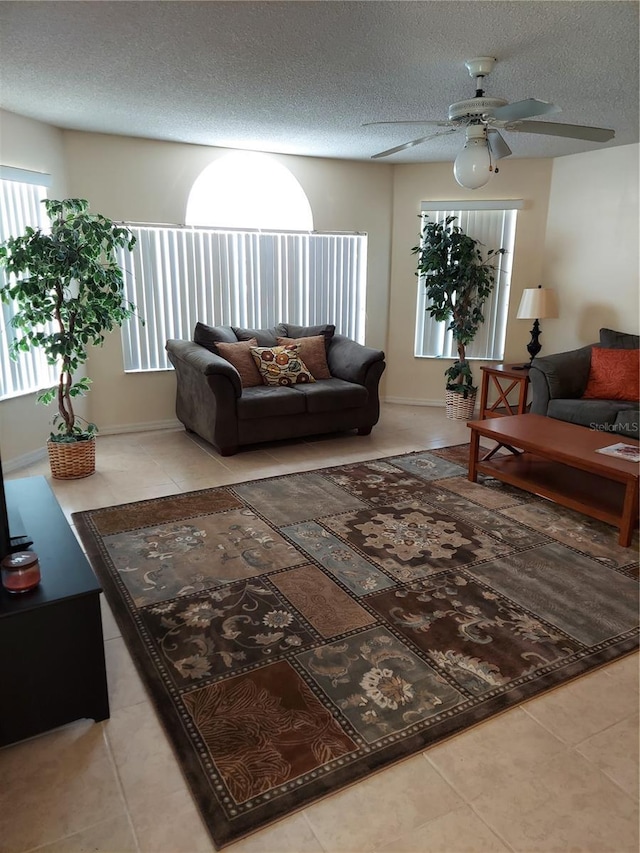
(212, 402)
(559, 381)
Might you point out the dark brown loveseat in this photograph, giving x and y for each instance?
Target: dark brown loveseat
(212, 402)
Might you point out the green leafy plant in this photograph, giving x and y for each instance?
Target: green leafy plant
(67, 276)
(458, 277)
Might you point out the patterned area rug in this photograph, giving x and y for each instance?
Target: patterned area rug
(300, 632)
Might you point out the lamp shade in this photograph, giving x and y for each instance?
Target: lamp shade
(537, 303)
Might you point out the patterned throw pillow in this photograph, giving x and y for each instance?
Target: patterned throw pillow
(239, 355)
(313, 352)
(281, 365)
(614, 375)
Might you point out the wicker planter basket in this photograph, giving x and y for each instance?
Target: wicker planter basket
(72, 460)
(458, 407)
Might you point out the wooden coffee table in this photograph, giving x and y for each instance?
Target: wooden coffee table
(559, 462)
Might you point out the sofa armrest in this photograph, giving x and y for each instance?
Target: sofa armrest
(207, 391)
(350, 360)
(561, 376)
(203, 361)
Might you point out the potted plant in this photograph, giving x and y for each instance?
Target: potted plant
(458, 276)
(68, 289)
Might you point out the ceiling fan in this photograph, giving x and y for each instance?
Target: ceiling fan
(483, 118)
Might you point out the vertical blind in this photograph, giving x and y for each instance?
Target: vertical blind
(494, 225)
(177, 276)
(21, 196)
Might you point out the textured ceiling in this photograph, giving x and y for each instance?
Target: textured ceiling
(302, 77)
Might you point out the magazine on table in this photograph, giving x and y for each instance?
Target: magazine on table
(622, 451)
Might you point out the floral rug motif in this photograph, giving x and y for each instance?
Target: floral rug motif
(298, 633)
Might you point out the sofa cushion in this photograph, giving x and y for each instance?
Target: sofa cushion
(589, 413)
(611, 339)
(210, 336)
(333, 394)
(269, 402)
(239, 355)
(288, 330)
(628, 422)
(614, 375)
(265, 337)
(281, 365)
(313, 352)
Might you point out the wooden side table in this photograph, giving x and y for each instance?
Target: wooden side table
(511, 386)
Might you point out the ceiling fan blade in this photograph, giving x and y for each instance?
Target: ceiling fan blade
(498, 148)
(573, 131)
(524, 109)
(412, 143)
(416, 121)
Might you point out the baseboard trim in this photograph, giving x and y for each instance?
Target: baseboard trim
(25, 459)
(407, 401)
(151, 426)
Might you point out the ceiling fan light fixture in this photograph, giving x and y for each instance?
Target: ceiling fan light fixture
(472, 167)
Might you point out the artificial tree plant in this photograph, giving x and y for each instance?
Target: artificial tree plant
(68, 291)
(459, 277)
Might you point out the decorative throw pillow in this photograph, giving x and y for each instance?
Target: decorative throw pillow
(614, 375)
(312, 352)
(239, 355)
(281, 365)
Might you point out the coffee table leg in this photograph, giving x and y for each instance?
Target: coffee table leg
(629, 514)
(473, 456)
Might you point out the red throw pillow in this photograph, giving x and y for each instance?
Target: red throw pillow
(614, 375)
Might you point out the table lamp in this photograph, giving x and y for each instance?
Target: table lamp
(537, 303)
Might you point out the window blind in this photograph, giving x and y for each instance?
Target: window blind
(21, 205)
(177, 276)
(494, 225)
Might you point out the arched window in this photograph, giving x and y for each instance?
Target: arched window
(248, 190)
(231, 264)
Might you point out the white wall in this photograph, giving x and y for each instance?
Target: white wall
(139, 180)
(27, 144)
(591, 252)
(421, 380)
(578, 234)
(149, 181)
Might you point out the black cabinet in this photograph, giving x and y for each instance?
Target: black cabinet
(52, 667)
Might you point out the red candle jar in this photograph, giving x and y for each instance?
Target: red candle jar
(20, 571)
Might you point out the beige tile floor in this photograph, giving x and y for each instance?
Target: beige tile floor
(558, 773)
